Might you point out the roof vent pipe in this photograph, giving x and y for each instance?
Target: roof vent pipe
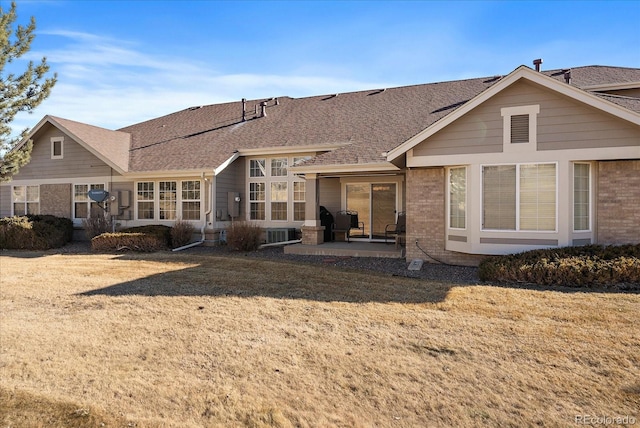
(244, 109)
(567, 76)
(277, 102)
(537, 63)
(263, 109)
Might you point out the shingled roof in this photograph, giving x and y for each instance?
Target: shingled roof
(353, 128)
(366, 123)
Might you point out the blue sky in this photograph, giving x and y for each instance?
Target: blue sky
(123, 62)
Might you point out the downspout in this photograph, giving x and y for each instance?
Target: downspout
(204, 223)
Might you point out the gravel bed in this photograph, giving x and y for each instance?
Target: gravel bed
(393, 267)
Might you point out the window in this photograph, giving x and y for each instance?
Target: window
(25, 200)
(279, 167)
(57, 149)
(257, 201)
(146, 207)
(499, 197)
(538, 197)
(299, 160)
(279, 200)
(299, 195)
(581, 196)
(519, 197)
(274, 193)
(167, 200)
(457, 197)
(519, 127)
(83, 206)
(191, 200)
(257, 168)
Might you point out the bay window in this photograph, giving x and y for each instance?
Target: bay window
(457, 197)
(519, 197)
(581, 196)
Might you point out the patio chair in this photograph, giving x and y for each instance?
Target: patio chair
(399, 229)
(345, 221)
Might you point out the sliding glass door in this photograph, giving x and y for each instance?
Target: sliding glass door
(376, 204)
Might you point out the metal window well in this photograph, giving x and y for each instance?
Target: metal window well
(280, 235)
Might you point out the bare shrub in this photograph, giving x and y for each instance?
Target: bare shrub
(96, 225)
(160, 231)
(128, 241)
(588, 266)
(244, 236)
(35, 232)
(181, 233)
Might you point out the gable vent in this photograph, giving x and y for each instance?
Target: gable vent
(520, 128)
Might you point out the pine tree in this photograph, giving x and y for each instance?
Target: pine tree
(18, 93)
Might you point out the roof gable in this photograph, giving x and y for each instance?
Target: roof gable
(112, 147)
(603, 103)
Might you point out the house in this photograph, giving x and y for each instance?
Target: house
(492, 165)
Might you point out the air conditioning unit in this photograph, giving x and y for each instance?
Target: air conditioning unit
(280, 235)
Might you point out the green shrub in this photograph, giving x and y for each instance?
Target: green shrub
(41, 232)
(161, 232)
(144, 242)
(181, 233)
(588, 266)
(244, 236)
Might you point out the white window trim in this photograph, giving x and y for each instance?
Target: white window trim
(268, 179)
(183, 200)
(88, 201)
(506, 113)
(156, 201)
(466, 197)
(26, 199)
(55, 140)
(517, 229)
(572, 190)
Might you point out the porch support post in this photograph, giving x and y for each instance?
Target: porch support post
(312, 231)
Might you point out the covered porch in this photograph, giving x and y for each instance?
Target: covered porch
(347, 249)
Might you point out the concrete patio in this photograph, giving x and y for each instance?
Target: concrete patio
(347, 249)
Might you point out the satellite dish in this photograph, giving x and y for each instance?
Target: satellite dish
(98, 195)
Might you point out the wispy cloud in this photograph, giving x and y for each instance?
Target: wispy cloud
(112, 83)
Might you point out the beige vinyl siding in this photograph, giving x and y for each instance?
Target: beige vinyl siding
(329, 191)
(5, 200)
(562, 124)
(232, 179)
(478, 132)
(77, 161)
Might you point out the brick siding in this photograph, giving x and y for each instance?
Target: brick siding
(426, 218)
(618, 202)
(55, 199)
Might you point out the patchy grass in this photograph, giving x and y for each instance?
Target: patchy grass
(155, 340)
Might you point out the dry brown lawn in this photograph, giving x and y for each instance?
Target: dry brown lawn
(182, 340)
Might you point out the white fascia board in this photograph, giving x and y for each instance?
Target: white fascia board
(226, 163)
(32, 132)
(521, 72)
(594, 154)
(347, 168)
(88, 147)
(159, 175)
(52, 121)
(612, 86)
(266, 151)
